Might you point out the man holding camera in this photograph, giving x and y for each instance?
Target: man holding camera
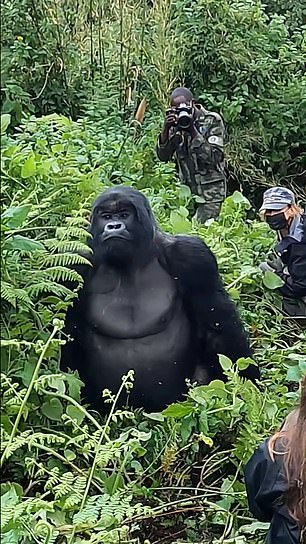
(194, 137)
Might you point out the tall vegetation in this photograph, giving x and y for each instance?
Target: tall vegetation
(70, 476)
(241, 58)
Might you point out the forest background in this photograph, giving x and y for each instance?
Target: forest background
(73, 74)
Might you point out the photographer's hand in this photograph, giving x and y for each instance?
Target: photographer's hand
(170, 121)
(193, 130)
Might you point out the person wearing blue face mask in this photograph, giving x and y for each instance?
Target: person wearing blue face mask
(281, 213)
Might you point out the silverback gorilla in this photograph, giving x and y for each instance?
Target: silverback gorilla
(151, 302)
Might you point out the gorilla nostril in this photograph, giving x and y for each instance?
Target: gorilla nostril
(111, 227)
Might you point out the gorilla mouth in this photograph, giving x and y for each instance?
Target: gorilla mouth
(114, 237)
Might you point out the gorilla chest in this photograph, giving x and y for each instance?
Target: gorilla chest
(132, 306)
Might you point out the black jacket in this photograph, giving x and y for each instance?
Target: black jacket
(266, 490)
(293, 255)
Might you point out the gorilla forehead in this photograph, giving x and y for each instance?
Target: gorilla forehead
(122, 194)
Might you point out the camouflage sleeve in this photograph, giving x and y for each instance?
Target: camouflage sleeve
(165, 151)
(211, 145)
(215, 134)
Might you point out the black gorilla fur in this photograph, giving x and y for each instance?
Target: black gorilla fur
(152, 302)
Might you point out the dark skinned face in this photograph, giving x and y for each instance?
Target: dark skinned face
(181, 100)
(178, 100)
(114, 221)
(116, 232)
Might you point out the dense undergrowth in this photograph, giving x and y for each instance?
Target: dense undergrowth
(68, 475)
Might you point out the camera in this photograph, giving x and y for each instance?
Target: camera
(184, 115)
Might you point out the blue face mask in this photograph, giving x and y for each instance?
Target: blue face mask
(277, 221)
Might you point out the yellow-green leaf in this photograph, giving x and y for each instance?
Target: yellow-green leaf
(29, 167)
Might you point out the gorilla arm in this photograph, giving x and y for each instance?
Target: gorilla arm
(72, 352)
(213, 315)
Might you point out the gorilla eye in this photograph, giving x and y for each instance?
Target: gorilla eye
(104, 215)
(124, 215)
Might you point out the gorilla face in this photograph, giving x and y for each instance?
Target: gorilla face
(122, 226)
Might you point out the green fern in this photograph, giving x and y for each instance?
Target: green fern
(14, 296)
(53, 244)
(47, 287)
(65, 259)
(18, 442)
(65, 233)
(57, 274)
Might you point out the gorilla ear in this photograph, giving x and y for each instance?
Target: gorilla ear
(91, 219)
(144, 214)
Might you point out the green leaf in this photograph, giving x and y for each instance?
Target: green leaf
(15, 216)
(52, 409)
(187, 425)
(244, 362)
(238, 198)
(179, 222)
(11, 537)
(21, 243)
(302, 367)
(5, 121)
(58, 384)
(225, 362)
(74, 385)
(69, 454)
(293, 374)
(155, 416)
(203, 422)
(254, 527)
(218, 387)
(272, 280)
(113, 483)
(137, 466)
(234, 293)
(178, 410)
(57, 148)
(27, 372)
(75, 413)
(14, 490)
(184, 191)
(29, 167)
(206, 439)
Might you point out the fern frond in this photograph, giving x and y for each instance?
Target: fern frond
(48, 287)
(65, 259)
(13, 296)
(17, 443)
(45, 438)
(90, 512)
(78, 491)
(73, 246)
(78, 220)
(57, 274)
(65, 486)
(54, 478)
(64, 233)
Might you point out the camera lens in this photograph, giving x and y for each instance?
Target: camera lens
(184, 120)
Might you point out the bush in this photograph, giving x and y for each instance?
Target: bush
(239, 57)
(71, 476)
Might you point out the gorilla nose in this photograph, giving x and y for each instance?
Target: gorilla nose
(114, 227)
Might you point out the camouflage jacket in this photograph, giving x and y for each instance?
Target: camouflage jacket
(200, 160)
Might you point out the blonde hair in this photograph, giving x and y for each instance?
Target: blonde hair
(290, 442)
